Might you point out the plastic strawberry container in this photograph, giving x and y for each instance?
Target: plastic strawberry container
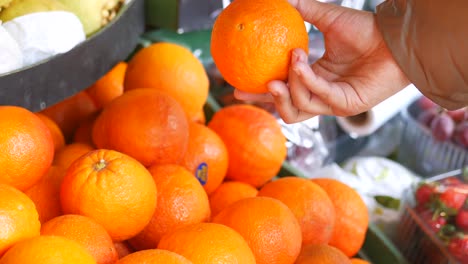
(427, 234)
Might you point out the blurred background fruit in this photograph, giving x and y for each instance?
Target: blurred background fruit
(109, 86)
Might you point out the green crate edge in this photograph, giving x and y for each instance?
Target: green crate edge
(377, 248)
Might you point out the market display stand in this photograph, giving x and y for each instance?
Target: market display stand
(46, 83)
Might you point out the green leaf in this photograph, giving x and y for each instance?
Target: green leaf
(388, 202)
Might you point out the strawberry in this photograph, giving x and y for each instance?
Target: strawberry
(461, 220)
(453, 199)
(424, 193)
(458, 247)
(434, 221)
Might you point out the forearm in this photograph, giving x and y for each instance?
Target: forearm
(429, 40)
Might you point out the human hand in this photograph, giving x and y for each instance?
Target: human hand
(355, 73)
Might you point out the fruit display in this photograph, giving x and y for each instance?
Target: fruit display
(437, 216)
(444, 125)
(35, 30)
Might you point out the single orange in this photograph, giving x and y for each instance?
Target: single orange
(109, 86)
(146, 124)
(123, 249)
(55, 132)
(113, 189)
(206, 156)
(26, 147)
(269, 227)
(46, 194)
(208, 243)
(18, 217)
(352, 218)
(359, 261)
(173, 69)
(84, 132)
(154, 256)
(47, 250)
(86, 232)
(321, 254)
(69, 113)
(310, 204)
(71, 152)
(181, 202)
(256, 145)
(252, 41)
(228, 193)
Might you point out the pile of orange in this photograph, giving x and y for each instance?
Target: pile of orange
(129, 170)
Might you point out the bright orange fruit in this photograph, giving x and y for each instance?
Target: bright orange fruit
(321, 254)
(181, 202)
(154, 256)
(352, 217)
(109, 86)
(254, 140)
(310, 204)
(173, 69)
(268, 226)
(228, 193)
(18, 218)
(251, 42)
(113, 189)
(206, 156)
(71, 152)
(26, 147)
(208, 243)
(145, 124)
(55, 132)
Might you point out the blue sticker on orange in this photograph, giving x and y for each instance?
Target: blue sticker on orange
(202, 173)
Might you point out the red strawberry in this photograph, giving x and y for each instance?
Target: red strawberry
(424, 193)
(462, 220)
(459, 248)
(453, 199)
(434, 222)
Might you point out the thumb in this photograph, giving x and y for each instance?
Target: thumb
(317, 13)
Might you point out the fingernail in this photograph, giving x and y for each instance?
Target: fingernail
(274, 92)
(295, 57)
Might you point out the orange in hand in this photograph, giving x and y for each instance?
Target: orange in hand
(352, 218)
(254, 140)
(252, 41)
(310, 204)
(268, 226)
(145, 124)
(181, 202)
(172, 69)
(113, 189)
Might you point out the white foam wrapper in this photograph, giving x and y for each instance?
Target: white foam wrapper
(11, 57)
(45, 34)
(368, 122)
